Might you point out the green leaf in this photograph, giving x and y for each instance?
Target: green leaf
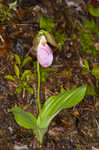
(17, 58)
(90, 91)
(44, 76)
(3, 18)
(26, 74)
(95, 72)
(24, 119)
(9, 14)
(29, 89)
(13, 5)
(26, 61)
(50, 38)
(10, 77)
(55, 104)
(62, 90)
(18, 90)
(84, 72)
(24, 84)
(16, 70)
(48, 69)
(2, 10)
(46, 23)
(85, 64)
(40, 133)
(94, 11)
(28, 121)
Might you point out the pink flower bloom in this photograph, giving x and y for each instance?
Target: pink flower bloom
(44, 54)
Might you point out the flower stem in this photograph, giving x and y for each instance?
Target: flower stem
(38, 74)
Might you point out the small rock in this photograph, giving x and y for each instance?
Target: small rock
(93, 148)
(73, 3)
(19, 48)
(10, 129)
(21, 147)
(68, 55)
(28, 3)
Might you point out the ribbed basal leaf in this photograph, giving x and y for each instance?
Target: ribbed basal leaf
(24, 119)
(55, 104)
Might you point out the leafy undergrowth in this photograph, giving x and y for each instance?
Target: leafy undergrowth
(75, 49)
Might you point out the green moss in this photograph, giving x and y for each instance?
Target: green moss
(60, 38)
(91, 27)
(87, 44)
(46, 23)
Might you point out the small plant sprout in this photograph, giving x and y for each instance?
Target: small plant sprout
(21, 79)
(6, 14)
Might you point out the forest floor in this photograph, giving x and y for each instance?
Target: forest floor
(72, 129)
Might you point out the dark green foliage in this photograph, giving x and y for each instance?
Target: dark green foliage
(21, 79)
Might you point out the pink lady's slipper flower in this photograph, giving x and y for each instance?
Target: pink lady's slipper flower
(44, 53)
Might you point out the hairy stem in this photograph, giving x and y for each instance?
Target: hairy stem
(38, 74)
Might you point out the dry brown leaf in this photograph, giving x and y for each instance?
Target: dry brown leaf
(2, 52)
(97, 46)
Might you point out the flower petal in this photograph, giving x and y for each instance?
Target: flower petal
(44, 55)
